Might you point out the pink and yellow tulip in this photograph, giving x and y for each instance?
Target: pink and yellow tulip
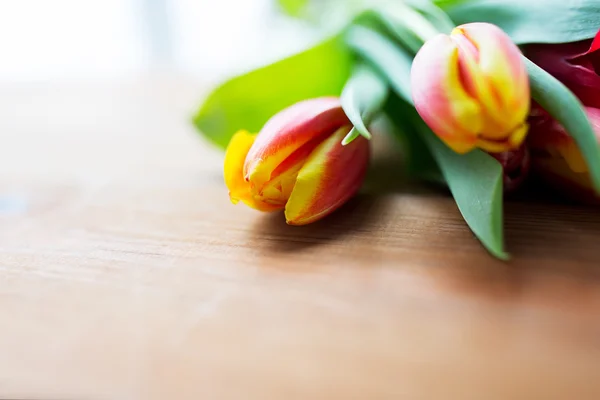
(472, 89)
(557, 158)
(297, 163)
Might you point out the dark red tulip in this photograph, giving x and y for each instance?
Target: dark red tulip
(576, 64)
(554, 154)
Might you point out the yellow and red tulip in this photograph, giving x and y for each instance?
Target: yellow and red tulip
(577, 65)
(472, 89)
(557, 158)
(297, 163)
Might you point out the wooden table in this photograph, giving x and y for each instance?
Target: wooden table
(125, 273)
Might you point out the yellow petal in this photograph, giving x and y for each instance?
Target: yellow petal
(513, 141)
(239, 188)
(518, 136)
(573, 157)
(497, 78)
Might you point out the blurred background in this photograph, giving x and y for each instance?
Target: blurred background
(208, 40)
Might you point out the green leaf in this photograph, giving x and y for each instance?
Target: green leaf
(418, 158)
(532, 21)
(394, 22)
(401, 32)
(248, 101)
(387, 57)
(332, 15)
(475, 180)
(413, 22)
(362, 98)
(555, 98)
(447, 3)
(434, 14)
(293, 8)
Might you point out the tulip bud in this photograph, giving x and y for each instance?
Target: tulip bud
(297, 162)
(577, 65)
(556, 157)
(472, 89)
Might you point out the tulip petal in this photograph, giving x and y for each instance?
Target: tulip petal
(594, 53)
(239, 188)
(472, 88)
(577, 65)
(549, 135)
(595, 44)
(440, 97)
(557, 173)
(283, 178)
(289, 131)
(331, 175)
(573, 157)
(545, 131)
(502, 84)
(557, 157)
(591, 58)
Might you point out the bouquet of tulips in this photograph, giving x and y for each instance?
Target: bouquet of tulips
(480, 93)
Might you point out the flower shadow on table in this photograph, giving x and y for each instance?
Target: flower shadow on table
(544, 233)
(359, 216)
(554, 236)
(355, 216)
(553, 245)
(555, 260)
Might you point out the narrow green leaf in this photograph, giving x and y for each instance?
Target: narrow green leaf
(394, 23)
(362, 98)
(389, 59)
(413, 22)
(532, 21)
(248, 101)
(555, 98)
(351, 136)
(434, 14)
(401, 32)
(475, 180)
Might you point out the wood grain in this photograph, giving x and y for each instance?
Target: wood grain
(125, 273)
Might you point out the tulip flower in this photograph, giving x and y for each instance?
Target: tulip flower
(555, 155)
(577, 65)
(297, 162)
(557, 158)
(472, 89)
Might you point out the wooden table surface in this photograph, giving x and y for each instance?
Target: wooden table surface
(125, 273)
